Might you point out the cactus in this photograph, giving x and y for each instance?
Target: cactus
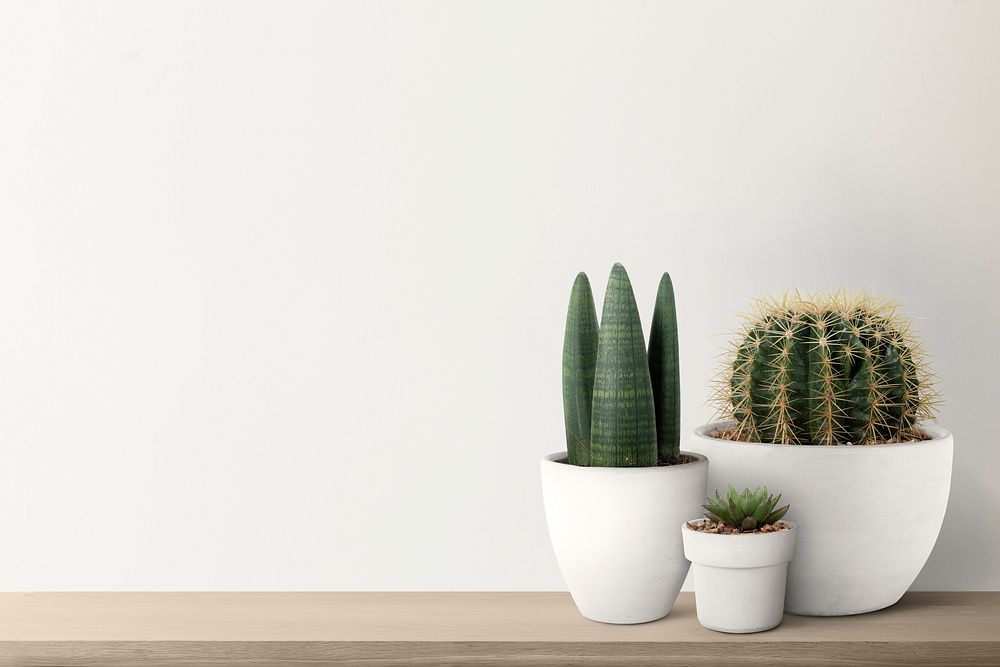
(623, 418)
(746, 511)
(664, 371)
(579, 362)
(826, 370)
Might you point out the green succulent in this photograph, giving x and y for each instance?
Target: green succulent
(621, 400)
(745, 511)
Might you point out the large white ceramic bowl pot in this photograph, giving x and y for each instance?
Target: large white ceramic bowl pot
(614, 532)
(739, 579)
(868, 515)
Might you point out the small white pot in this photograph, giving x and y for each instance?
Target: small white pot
(614, 532)
(868, 514)
(739, 580)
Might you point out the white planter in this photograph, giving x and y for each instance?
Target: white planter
(739, 580)
(868, 514)
(614, 531)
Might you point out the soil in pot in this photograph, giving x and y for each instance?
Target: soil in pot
(706, 526)
(682, 460)
(732, 436)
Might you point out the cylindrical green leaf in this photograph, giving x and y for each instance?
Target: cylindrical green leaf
(579, 362)
(623, 422)
(664, 372)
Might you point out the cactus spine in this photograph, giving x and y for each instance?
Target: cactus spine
(579, 363)
(826, 370)
(623, 421)
(664, 371)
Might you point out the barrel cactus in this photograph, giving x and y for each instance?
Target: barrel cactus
(826, 370)
(621, 402)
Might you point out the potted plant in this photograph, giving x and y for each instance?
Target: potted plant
(614, 499)
(830, 398)
(740, 553)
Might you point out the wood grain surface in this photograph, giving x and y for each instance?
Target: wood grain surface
(466, 628)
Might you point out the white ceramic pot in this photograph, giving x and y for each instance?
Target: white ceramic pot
(739, 580)
(868, 515)
(614, 531)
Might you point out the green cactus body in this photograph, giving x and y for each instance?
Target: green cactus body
(664, 372)
(579, 363)
(826, 371)
(623, 422)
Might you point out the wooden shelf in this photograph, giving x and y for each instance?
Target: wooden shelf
(465, 628)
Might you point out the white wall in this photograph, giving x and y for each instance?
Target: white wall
(282, 285)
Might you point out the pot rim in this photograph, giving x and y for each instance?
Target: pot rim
(753, 550)
(936, 433)
(559, 459)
